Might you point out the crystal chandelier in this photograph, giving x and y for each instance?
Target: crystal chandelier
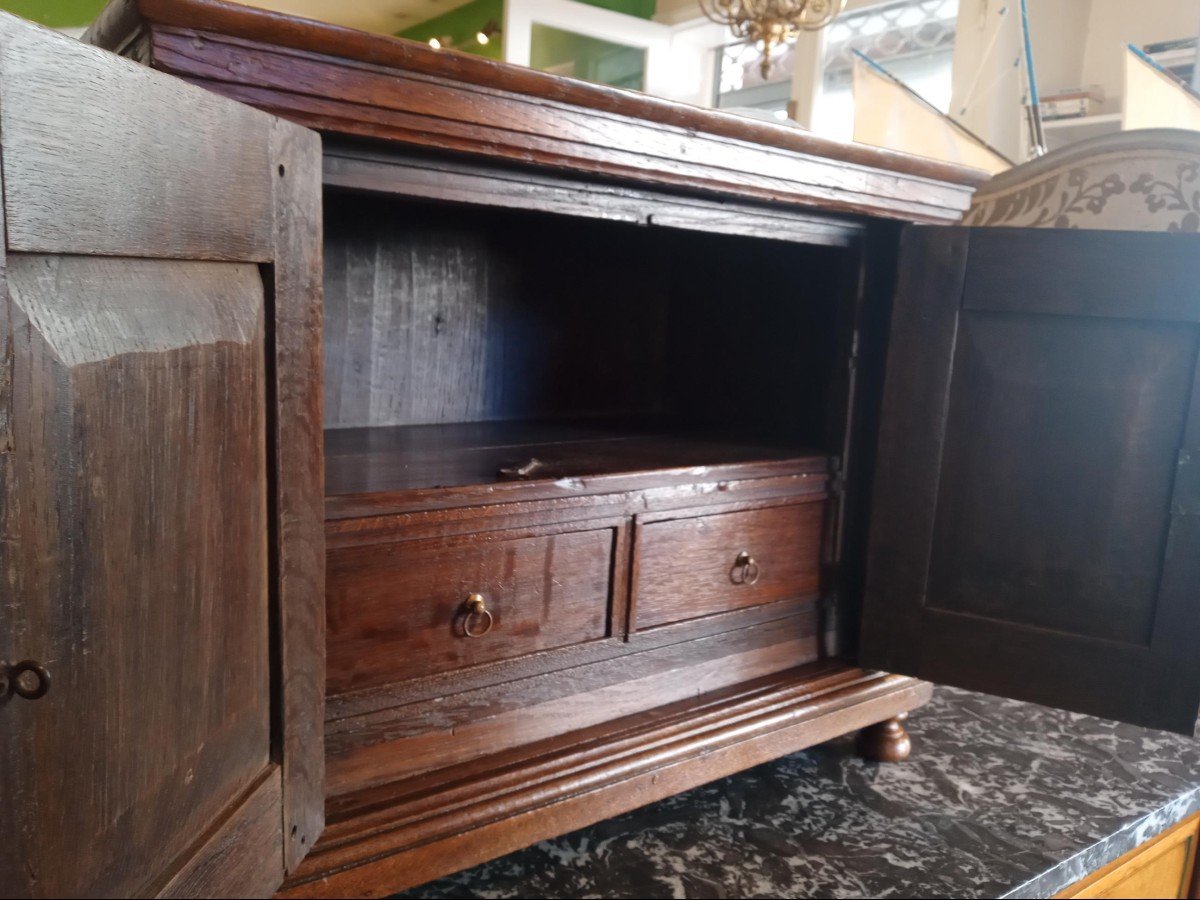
(771, 23)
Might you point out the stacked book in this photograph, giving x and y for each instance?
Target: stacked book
(1072, 103)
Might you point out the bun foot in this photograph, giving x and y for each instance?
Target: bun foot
(885, 742)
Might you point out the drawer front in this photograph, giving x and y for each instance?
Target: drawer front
(687, 568)
(403, 610)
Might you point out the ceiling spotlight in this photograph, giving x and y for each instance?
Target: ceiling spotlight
(439, 43)
(489, 31)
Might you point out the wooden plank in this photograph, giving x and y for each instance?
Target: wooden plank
(420, 457)
(307, 35)
(343, 80)
(233, 859)
(6, 334)
(1042, 270)
(1174, 681)
(718, 166)
(299, 479)
(380, 747)
(459, 181)
(76, 177)
(915, 404)
(351, 83)
(592, 774)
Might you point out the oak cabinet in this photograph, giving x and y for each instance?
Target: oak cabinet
(1164, 866)
(517, 451)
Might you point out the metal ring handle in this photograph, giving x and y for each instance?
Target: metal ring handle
(745, 569)
(16, 677)
(477, 606)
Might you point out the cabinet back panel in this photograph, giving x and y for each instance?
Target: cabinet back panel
(434, 315)
(439, 314)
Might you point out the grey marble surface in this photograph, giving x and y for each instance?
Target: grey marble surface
(999, 799)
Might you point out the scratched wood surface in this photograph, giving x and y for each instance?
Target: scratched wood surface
(161, 297)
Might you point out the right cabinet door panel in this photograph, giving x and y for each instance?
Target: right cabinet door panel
(1036, 517)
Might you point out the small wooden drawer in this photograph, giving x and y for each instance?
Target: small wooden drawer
(697, 566)
(401, 610)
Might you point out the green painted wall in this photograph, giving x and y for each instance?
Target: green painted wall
(462, 23)
(55, 13)
(589, 58)
(643, 9)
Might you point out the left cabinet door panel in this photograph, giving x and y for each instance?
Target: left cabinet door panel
(148, 692)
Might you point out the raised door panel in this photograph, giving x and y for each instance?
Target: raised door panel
(1035, 524)
(156, 500)
(140, 577)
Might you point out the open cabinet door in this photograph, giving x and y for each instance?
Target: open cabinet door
(160, 482)
(1036, 515)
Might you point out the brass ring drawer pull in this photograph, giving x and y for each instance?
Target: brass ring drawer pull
(476, 609)
(745, 569)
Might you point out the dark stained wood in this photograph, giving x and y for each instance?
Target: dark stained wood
(7, 357)
(689, 567)
(1028, 528)
(56, 187)
(458, 729)
(1165, 262)
(404, 459)
(178, 490)
(476, 314)
(468, 314)
(885, 741)
(232, 854)
(397, 611)
(91, 335)
(298, 486)
(365, 168)
(875, 287)
(137, 487)
(414, 831)
(1085, 414)
(923, 323)
(757, 619)
(682, 401)
(361, 518)
(351, 83)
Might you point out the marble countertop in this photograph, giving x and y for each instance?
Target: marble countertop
(999, 799)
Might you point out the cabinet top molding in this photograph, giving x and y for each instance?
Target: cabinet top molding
(345, 82)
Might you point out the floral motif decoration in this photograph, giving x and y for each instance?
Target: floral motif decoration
(1070, 199)
(1051, 207)
(1182, 196)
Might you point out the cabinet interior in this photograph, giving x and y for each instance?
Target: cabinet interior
(469, 345)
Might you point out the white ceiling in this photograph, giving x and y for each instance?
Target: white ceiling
(381, 16)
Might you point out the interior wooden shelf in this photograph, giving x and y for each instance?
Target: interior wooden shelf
(414, 458)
